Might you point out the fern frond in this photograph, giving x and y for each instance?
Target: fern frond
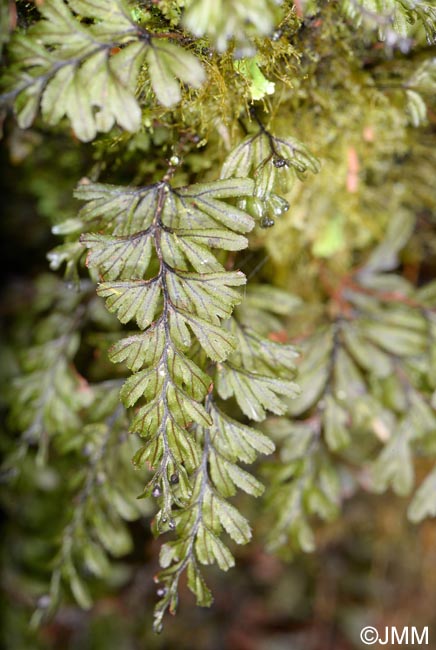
(83, 62)
(303, 483)
(222, 21)
(155, 257)
(103, 497)
(199, 525)
(393, 19)
(151, 234)
(49, 393)
(274, 164)
(368, 372)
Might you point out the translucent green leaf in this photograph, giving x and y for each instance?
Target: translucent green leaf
(423, 503)
(208, 294)
(146, 383)
(396, 340)
(183, 64)
(385, 256)
(335, 425)
(137, 300)
(416, 107)
(216, 342)
(140, 349)
(259, 85)
(119, 258)
(123, 210)
(349, 381)
(232, 521)
(236, 440)
(367, 355)
(254, 392)
(272, 299)
(165, 85)
(79, 590)
(313, 372)
(228, 476)
(206, 197)
(394, 467)
(209, 549)
(259, 354)
(95, 559)
(86, 67)
(198, 586)
(223, 20)
(112, 534)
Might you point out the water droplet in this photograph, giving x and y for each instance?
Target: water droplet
(156, 492)
(277, 35)
(161, 592)
(278, 204)
(174, 478)
(174, 161)
(279, 162)
(172, 524)
(266, 222)
(44, 602)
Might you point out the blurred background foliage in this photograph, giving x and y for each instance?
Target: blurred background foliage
(359, 238)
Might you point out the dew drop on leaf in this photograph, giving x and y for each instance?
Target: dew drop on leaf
(266, 222)
(156, 491)
(279, 162)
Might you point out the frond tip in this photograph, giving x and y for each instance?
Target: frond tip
(207, 514)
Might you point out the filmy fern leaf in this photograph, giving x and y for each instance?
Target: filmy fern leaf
(49, 391)
(170, 296)
(154, 256)
(274, 164)
(103, 494)
(82, 61)
(366, 373)
(393, 19)
(222, 21)
(207, 513)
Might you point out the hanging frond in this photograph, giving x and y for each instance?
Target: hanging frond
(274, 164)
(369, 372)
(199, 525)
(222, 20)
(103, 495)
(393, 20)
(161, 238)
(157, 268)
(83, 61)
(49, 393)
